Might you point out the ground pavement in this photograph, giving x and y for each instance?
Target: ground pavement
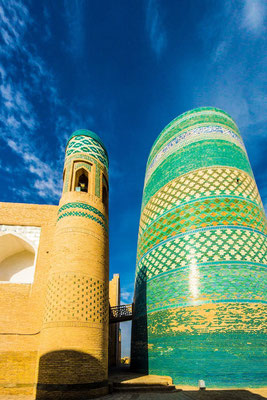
(188, 395)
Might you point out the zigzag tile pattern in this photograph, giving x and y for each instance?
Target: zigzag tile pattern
(85, 144)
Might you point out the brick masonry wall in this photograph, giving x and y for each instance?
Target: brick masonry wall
(74, 337)
(114, 300)
(22, 305)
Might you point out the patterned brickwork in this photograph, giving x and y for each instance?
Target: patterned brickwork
(84, 144)
(210, 212)
(201, 154)
(192, 136)
(74, 209)
(75, 298)
(201, 257)
(189, 120)
(88, 162)
(74, 335)
(202, 246)
(79, 165)
(206, 182)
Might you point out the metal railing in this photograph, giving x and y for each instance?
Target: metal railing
(120, 313)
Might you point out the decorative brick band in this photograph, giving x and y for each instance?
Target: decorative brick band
(84, 206)
(82, 214)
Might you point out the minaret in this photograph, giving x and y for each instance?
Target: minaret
(200, 291)
(74, 337)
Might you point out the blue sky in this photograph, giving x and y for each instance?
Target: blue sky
(124, 69)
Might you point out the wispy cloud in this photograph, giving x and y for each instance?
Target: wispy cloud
(253, 16)
(48, 34)
(155, 28)
(236, 72)
(75, 18)
(126, 296)
(19, 118)
(240, 73)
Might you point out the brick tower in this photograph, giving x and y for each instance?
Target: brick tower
(200, 293)
(74, 337)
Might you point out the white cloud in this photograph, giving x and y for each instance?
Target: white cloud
(19, 115)
(234, 74)
(12, 122)
(154, 26)
(253, 16)
(126, 296)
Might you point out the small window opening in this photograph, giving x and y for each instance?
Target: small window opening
(237, 180)
(105, 191)
(105, 195)
(81, 181)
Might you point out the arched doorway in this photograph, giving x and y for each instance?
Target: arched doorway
(17, 259)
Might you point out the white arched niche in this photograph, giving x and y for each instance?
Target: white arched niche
(17, 259)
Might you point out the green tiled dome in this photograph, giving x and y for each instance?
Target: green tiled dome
(87, 132)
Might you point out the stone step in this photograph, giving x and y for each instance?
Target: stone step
(143, 388)
(129, 384)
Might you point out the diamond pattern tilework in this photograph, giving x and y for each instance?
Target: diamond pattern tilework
(200, 288)
(209, 212)
(75, 298)
(203, 246)
(88, 145)
(207, 153)
(78, 209)
(206, 182)
(84, 206)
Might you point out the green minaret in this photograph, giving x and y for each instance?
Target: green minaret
(200, 291)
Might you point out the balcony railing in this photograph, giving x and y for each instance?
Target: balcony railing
(120, 313)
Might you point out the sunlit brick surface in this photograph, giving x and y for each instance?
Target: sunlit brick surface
(74, 337)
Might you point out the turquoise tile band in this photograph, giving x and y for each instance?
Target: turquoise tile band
(200, 288)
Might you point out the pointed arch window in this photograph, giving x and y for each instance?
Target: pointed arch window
(81, 180)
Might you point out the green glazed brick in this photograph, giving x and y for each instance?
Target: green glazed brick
(200, 287)
(73, 209)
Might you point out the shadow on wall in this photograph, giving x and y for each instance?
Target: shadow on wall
(69, 374)
(139, 345)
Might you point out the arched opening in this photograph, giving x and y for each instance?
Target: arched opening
(17, 260)
(104, 191)
(81, 180)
